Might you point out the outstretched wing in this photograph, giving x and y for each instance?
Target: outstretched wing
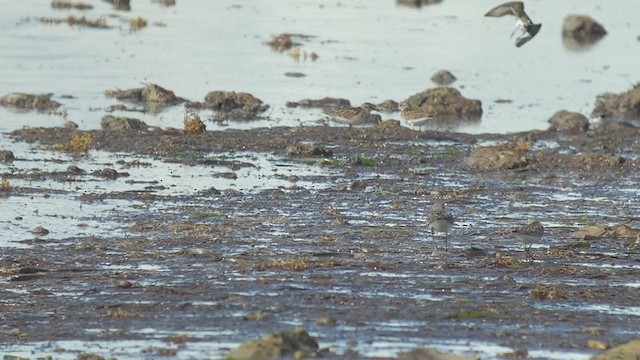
(508, 8)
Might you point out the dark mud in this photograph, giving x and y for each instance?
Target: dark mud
(226, 266)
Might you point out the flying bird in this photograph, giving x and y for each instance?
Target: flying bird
(523, 23)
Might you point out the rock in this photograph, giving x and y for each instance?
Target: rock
(623, 106)
(432, 354)
(489, 158)
(583, 28)
(323, 103)
(109, 173)
(194, 125)
(6, 156)
(306, 150)
(231, 105)
(21, 101)
(417, 3)
(589, 232)
(567, 121)
(40, 231)
(151, 95)
(389, 124)
(275, 345)
(74, 170)
(443, 77)
(110, 122)
(445, 101)
(592, 161)
(327, 321)
(626, 351)
(70, 125)
(387, 106)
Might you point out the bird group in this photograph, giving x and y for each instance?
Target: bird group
(440, 220)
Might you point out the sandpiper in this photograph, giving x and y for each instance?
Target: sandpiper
(529, 234)
(413, 116)
(523, 22)
(353, 115)
(439, 221)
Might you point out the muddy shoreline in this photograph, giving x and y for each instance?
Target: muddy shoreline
(228, 266)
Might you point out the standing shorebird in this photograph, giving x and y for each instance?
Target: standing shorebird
(529, 234)
(523, 22)
(353, 115)
(439, 221)
(413, 116)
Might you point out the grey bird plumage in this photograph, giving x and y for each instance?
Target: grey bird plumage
(523, 21)
(529, 234)
(439, 220)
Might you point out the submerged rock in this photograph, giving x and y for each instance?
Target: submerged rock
(568, 121)
(623, 106)
(276, 345)
(110, 122)
(21, 101)
(445, 101)
(626, 351)
(443, 77)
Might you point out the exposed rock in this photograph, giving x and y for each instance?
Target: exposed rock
(590, 232)
(443, 77)
(489, 158)
(583, 29)
(389, 124)
(6, 156)
(109, 173)
(40, 231)
(568, 121)
(74, 170)
(231, 105)
(417, 3)
(626, 351)
(152, 96)
(432, 354)
(275, 346)
(624, 106)
(591, 161)
(307, 150)
(445, 101)
(21, 101)
(388, 106)
(70, 124)
(323, 103)
(110, 122)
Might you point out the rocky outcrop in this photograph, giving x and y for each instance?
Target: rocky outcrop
(445, 101)
(151, 95)
(296, 342)
(110, 122)
(443, 77)
(21, 101)
(626, 351)
(231, 105)
(324, 103)
(623, 106)
(500, 157)
(568, 121)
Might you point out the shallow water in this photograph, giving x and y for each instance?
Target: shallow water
(369, 51)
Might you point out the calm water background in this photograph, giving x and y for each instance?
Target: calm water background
(369, 51)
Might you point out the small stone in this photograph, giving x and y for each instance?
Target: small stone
(6, 156)
(40, 231)
(443, 77)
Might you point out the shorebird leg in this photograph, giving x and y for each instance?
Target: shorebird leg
(528, 251)
(433, 238)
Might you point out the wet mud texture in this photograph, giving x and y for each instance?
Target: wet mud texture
(232, 266)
